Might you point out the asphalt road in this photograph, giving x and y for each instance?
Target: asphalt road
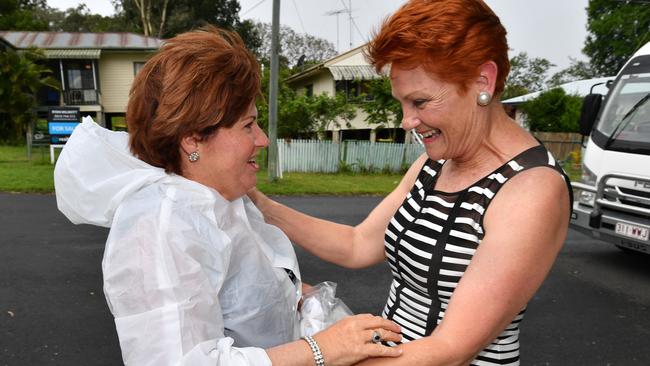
(592, 310)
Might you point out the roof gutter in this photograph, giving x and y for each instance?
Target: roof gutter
(304, 74)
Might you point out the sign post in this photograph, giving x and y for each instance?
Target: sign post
(61, 121)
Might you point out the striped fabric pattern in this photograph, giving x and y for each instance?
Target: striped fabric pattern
(431, 240)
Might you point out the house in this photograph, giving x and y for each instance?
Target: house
(580, 88)
(346, 73)
(95, 69)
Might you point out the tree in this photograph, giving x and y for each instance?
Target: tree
(577, 70)
(25, 15)
(328, 112)
(293, 114)
(148, 17)
(145, 8)
(553, 111)
(223, 14)
(527, 75)
(22, 77)
(249, 34)
(80, 19)
(301, 115)
(164, 18)
(616, 29)
(37, 16)
(381, 108)
(293, 46)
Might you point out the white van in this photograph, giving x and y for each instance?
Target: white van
(613, 200)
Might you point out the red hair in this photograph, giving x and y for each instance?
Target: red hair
(449, 38)
(197, 82)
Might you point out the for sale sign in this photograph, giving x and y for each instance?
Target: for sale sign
(61, 122)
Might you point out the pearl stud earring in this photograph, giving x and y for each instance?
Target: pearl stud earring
(484, 98)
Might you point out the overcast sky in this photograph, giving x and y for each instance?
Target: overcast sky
(553, 29)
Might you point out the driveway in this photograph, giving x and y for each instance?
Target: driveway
(592, 309)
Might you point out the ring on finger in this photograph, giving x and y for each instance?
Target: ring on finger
(376, 337)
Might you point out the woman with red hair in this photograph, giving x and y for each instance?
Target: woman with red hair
(476, 223)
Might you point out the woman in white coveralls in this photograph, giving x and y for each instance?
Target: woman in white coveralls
(192, 274)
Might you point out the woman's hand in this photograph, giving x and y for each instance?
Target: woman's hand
(305, 289)
(349, 341)
(256, 196)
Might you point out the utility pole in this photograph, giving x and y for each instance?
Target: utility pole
(273, 94)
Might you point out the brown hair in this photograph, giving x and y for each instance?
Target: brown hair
(197, 82)
(448, 38)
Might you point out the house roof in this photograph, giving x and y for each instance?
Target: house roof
(579, 88)
(5, 45)
(306, 73)
(77, 40)
(346, 66)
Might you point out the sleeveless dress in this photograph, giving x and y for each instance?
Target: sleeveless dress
(431, 240)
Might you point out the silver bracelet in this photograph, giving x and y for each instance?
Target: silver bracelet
(318, 356)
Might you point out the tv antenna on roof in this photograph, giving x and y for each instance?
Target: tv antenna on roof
(337, 12)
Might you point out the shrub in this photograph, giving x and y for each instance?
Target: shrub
(553, 111)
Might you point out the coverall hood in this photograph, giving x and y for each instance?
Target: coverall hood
(94, 178)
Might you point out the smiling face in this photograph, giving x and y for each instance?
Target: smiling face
(448, 122)
(227, 160)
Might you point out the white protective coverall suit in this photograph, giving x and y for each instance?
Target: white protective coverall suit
(191, 278)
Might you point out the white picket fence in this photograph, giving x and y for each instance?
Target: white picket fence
(319, 156)
(322, 156)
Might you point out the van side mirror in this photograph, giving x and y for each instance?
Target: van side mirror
(590, 108)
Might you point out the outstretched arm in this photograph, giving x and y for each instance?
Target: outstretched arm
(525, 227)
(348, 246)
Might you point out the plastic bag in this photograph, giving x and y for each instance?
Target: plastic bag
(320, 308)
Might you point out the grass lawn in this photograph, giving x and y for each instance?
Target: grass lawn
(19, 174)
(336, 184)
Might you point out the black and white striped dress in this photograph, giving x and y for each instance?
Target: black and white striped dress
(431, 240)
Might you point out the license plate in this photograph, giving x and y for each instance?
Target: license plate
(632, 231)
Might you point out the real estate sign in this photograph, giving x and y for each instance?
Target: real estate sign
(61, 121)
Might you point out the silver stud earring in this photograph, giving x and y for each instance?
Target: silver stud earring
(193, 156)
(484, 98)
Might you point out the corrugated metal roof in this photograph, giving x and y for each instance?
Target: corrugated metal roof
(77, 53)
(4, 44)
(67, 40)
(354, 72)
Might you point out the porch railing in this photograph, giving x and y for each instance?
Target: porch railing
(80, 96)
